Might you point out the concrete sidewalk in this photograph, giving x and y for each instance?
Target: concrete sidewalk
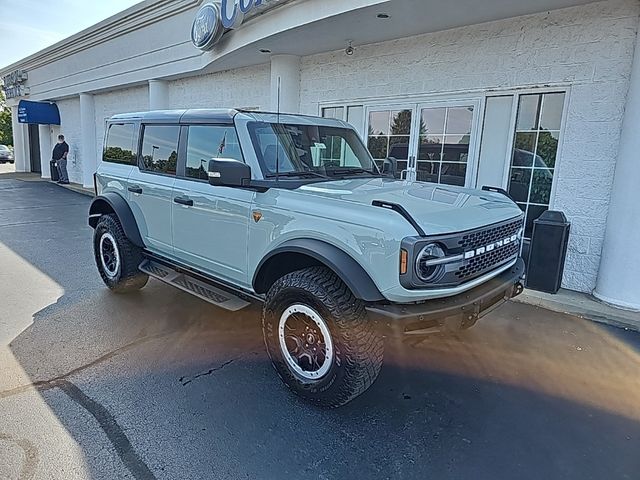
(35, 177)
(582, 305)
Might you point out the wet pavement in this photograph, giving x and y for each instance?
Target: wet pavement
(161, 385)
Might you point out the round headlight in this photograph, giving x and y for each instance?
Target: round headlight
(426, 271)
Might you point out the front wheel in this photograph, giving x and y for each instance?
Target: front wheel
(116, 257)
(319, 338)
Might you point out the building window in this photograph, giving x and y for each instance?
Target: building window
(160, 148)
(443, 154)
(209, 142)
(389, 135)
(119, 147)
(333, 112)
(535, 148)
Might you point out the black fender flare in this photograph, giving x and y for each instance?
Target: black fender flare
(112, 201)
(340, 262)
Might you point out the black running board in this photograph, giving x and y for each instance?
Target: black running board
(194, 286)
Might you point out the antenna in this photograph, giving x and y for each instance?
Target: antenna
(277, 139)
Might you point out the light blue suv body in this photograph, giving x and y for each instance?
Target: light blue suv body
(227, 203)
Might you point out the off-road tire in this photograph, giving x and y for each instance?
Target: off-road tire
(358, 346)
(128, 278)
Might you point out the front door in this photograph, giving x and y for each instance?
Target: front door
(430, 142)
(211, 224)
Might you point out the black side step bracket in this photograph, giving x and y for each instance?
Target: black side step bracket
(194, 286)
(402, 211)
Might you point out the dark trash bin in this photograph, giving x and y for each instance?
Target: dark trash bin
(547, 252)
(53, 166)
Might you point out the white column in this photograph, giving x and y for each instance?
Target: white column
(88, 132)
(20, 149)
(19, 153)
(286, 68)
(44, 132)
(158, 95)
(619, 275)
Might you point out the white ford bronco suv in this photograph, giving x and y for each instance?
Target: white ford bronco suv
(291, 211)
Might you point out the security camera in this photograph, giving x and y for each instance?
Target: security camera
(349, 50)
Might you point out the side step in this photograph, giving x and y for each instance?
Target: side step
(194, 286)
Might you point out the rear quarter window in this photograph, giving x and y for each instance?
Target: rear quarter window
(119, 147)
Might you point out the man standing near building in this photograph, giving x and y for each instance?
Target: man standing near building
(60, 152)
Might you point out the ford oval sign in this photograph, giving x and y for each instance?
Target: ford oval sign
(207, 27)
(214, 19)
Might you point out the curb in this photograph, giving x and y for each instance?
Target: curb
(75, 187)
(582, 306)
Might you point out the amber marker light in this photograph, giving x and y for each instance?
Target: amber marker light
(404, 256)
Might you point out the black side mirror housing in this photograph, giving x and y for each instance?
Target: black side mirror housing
(228, 172)
(390, 166)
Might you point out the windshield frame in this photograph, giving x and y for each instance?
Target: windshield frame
(313, 174)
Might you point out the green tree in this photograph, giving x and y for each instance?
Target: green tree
(402, 124)
(6, 129)
(547, 148)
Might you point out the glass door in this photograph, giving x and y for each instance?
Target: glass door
(390, 138)
(432, 142)
(446, 143)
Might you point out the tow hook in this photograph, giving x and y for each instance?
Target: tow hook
(518, 288)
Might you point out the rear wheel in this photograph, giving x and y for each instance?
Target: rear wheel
(319, 338)
(116, 257)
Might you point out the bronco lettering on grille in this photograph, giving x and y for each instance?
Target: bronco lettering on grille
(492, 246)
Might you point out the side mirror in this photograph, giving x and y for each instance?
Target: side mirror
(390, 167)
(228, 172)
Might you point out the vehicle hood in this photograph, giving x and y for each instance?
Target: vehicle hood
(438, 209)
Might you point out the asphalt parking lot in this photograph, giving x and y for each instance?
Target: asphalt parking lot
(161, 385)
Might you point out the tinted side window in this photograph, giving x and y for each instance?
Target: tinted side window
(119, 147)
(207, 142)
(160, 148)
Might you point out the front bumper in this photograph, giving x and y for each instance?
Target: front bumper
(451, 313)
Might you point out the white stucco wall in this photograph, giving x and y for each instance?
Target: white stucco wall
(589, 48)
(240, 88)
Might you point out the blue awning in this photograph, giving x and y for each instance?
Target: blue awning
(44, 113)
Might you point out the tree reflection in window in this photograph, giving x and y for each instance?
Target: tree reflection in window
(160, 148)
(535, 149)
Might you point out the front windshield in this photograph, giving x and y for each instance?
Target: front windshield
(311, 150)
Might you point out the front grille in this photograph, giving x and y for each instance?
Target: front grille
(486, 262)
(480, 238)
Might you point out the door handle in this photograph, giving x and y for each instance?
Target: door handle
(135, 189)
(184, 201)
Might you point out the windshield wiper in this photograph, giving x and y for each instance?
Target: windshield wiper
(350, 171)
(304, 173)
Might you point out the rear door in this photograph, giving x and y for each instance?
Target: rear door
(210, 224)
(150, 185)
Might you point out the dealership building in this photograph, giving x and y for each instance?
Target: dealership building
(539, 98)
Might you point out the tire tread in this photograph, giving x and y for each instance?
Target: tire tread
(363, 345)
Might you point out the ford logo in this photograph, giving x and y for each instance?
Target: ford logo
(207, 27)
(213, 19)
